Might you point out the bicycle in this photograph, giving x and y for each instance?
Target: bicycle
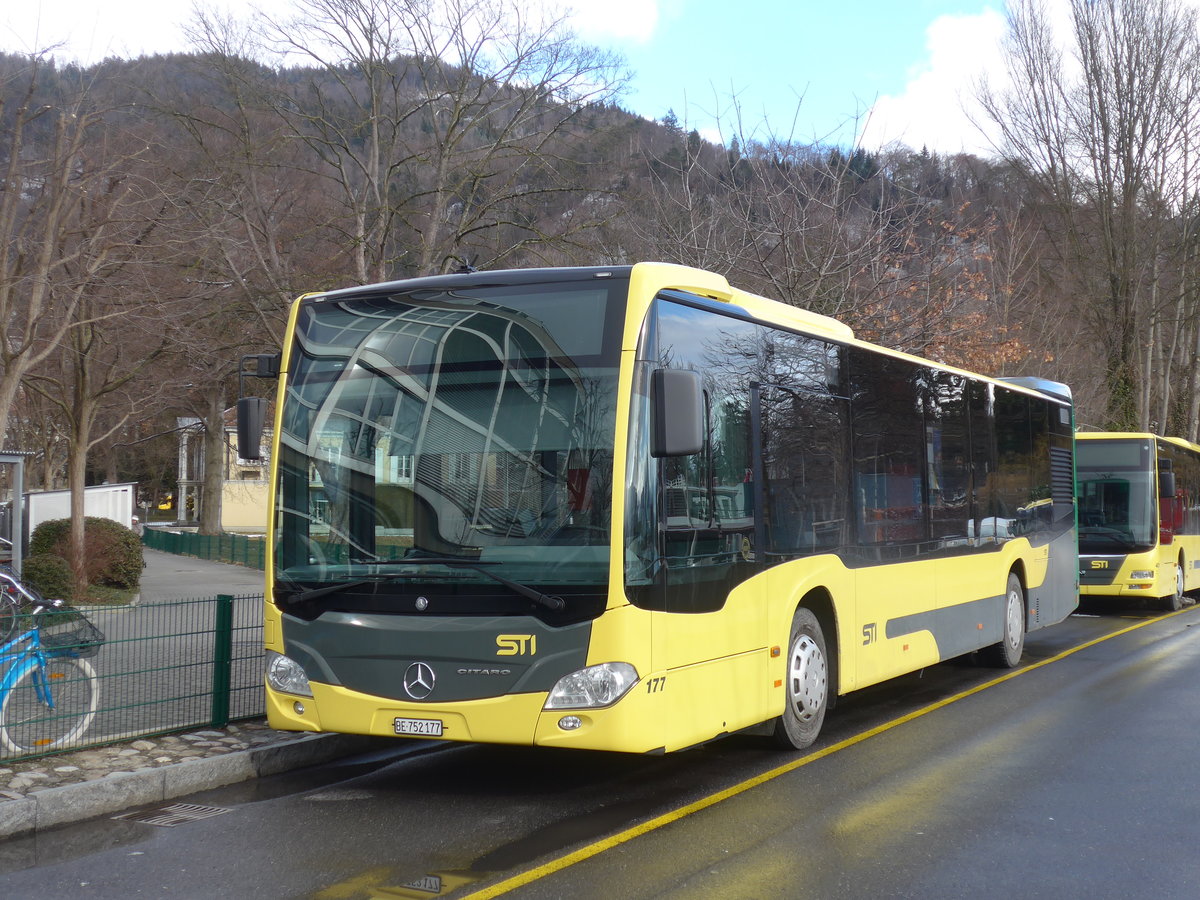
(10, 609)
(48, 690)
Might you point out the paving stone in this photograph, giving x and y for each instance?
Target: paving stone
(94, 764)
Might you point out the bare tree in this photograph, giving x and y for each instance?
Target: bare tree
(84, 301)
(1097, 130)
(63, 207)
(866, 238)
(440, 128)
(260, 219)
(96, 374)
(35, 428)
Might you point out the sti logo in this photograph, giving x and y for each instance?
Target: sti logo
(516, 644)
(1099, 563)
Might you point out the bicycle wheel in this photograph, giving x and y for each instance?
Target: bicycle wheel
(9, 609)
(49, 708)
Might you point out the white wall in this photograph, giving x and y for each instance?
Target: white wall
(104, 501)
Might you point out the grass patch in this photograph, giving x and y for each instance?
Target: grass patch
(102, 595)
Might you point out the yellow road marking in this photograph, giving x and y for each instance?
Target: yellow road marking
(598, 847)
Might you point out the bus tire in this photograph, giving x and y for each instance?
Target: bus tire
(1175, 601)
(1007, 653)
(806, 684)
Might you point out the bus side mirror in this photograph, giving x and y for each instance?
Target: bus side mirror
(251, 415)
(252, 411)
(1166, 485)
(676, 413)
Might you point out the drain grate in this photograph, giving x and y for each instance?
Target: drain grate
(173, 814)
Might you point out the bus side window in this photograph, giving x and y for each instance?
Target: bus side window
(889, 454)
(948, 458)
(1016, 471)
(804, 451)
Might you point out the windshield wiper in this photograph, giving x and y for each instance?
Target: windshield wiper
(307, 596)
(550, 601)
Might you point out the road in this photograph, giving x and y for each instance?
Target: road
(1073, 776)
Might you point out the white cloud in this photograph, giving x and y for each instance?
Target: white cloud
(624, 20)
(931, 112)
(87, 32)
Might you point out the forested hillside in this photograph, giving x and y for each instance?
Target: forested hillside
(157, 215)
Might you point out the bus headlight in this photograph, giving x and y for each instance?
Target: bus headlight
(284, 674)
(1142, 573)
(594, 686)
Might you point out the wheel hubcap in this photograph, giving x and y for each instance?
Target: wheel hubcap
(1015, 625)
(806, 677)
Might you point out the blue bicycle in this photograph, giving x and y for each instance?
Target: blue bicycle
(48, 689)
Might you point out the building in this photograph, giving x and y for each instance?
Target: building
(244, 491)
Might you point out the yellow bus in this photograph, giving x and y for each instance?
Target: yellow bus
(632, 508)
(1139, 517)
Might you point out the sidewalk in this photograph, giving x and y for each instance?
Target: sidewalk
(121, 777)
(83, 784)
(171, 577)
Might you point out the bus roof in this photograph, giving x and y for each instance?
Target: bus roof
(1136, 436)
(658, 276)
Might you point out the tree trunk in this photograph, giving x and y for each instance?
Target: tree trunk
(214, 463)
(1145, 392)
(1167, 423)
(77, 556)
(1121, 378)
(1194, 405)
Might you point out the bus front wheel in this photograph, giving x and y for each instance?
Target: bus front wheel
(1007, 653)
(806, 683)
(1175, 601)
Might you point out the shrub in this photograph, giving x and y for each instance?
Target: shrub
(49, 535)
(50, 575)
(113, 552)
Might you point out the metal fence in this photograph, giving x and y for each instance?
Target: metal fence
(172, 665)
(230, 548)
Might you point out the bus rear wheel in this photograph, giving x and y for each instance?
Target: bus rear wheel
(1007, 653)
(806, 684)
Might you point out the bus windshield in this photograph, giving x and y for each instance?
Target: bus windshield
(1116, 496)
(449, 436)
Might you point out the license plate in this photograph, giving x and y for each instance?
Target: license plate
(426, 884)
(419, 727)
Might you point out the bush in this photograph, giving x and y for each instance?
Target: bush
(113, 552)
(49, 535)
(50, 575)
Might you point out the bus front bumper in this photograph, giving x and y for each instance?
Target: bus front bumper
(520, 719)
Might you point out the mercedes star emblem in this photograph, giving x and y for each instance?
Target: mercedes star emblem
(419, 680)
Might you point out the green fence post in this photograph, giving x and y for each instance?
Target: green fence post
(222, 661)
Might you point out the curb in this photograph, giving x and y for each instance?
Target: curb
(120, 791)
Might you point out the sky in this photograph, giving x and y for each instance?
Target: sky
(869, 73)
